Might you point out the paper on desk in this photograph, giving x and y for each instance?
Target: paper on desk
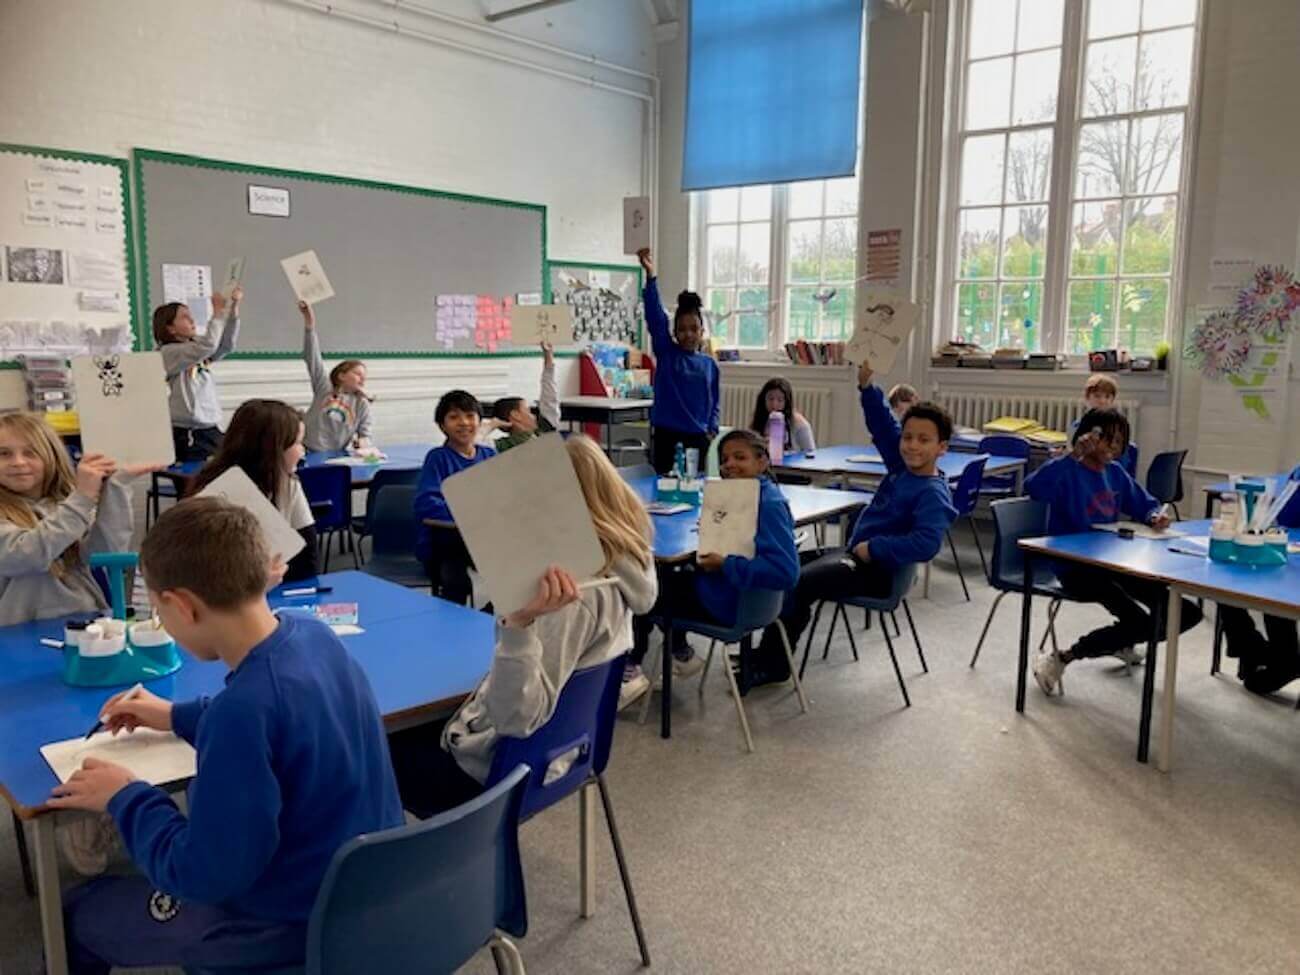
(862, 459)
(235, 486)
(1140, 530)
(157, 757)
(1192, 545)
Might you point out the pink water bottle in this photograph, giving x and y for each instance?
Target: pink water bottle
(776, 437)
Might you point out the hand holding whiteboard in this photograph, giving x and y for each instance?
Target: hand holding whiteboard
(235, 486)
(307, 277)
(122, 406)
(729, 517)
(511, 553)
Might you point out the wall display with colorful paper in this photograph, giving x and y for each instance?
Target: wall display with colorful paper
(605, 300)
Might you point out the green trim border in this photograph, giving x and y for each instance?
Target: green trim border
(595, 266)
(141, 155)
(128, 233)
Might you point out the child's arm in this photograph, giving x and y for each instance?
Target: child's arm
(656, 319)
(229, 336)
(363, 419)
(29, 551)
(179, 356)
(548, 403)
(775, 564)
(931, 518)
(1042, 484)
(1137, 502)
(316, 371)
(881, 422)
(715, 398)
(429, 502)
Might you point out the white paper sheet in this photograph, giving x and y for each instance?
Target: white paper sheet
(122, 404)
(1140, 530)
(183, 282)
(156, 757)
(234, 276)
(884, 322)
(512, 554)
(307, 277)
(636, 223)
(236, 487)
(532, 324)
(729, 517)
(96, 271)
(100, 301)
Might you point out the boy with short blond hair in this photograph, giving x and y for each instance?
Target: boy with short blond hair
(1100, 391)
(292, 757)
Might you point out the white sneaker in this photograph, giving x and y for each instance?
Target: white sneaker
(1133, 656)
(86, 843)
(632, 688)
(1048, 670)
(689, 666)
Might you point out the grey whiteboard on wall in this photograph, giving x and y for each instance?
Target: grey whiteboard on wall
(389, 250)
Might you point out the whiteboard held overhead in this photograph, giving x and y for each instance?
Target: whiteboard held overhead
(122, 405)
(533, 324)
(520, 513)
(729, 517)
(238, 488)
(885, 320)
(307, 277)
(636, 224)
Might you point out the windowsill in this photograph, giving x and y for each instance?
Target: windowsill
(1148, 382)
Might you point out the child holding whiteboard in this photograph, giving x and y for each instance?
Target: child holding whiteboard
(187, 356)
(265, 441)
(437, 542)
(339, 415)
(710, 589)
(562, 630)
(687, 395)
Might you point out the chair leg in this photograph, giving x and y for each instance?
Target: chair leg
(853, 643)
(645, 704)
(1217, 659)
(835, 616)
(1177, 516)
(979, 546)
(889, 642)
(354, 548)
(623, 873)
(740, 707)
(789, 657)
(1051, 626)
(708, 660)
(907, 611)
(24, 857)
(987, 623)
(893, 615)
(812, 628)
(866, 619)
(506, 955)
(957, 562)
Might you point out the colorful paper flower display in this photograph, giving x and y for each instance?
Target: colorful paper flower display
(1220, 345)
(1270, 303)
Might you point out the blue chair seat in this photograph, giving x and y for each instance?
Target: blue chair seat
(392, 537)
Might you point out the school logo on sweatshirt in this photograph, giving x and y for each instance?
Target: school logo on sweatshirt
(1103, 507)
(163, 907)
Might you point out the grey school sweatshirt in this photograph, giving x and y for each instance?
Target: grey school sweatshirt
(193, 400)
(531, 665)
(335, 418)
(28, 589)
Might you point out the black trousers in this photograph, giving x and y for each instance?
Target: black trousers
(448, 566)
(663, 446)
(195, 443)
(1269, 661)
(428, 778)
(1131, 601)
(833, 575)
(677, 598)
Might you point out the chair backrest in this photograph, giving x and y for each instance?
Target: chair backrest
(967, 493)
(1004, 445)
(392, 522)
(634, 472)
(329, 490)
(1165, 475)
(583, 722)
(1014, 519)
(386, 478)
(1130, 460)
(758, 608)
(423, 897)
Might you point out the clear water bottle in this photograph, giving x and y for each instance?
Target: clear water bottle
(776, 437)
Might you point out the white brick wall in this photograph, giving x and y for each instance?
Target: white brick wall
(264, 81)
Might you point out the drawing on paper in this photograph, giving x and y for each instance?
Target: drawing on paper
(110, 374)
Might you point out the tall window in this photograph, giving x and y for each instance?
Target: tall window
(1070, 254)
(776, 263)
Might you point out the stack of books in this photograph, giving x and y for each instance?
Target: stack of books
(804, 353)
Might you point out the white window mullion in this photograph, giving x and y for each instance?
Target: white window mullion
(776, 323)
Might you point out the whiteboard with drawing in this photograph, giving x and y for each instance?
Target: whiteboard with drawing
(157, 757)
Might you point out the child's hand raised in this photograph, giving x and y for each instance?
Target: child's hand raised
(865, 373)
(548, 353)
(92, 472)
(647, 262)
(308, 315)
(556, 590)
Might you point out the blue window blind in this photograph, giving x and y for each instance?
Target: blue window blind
(772, 91)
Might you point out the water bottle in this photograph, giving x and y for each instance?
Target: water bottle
(679, 461)
(776, 437)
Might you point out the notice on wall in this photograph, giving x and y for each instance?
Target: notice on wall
(884, 255)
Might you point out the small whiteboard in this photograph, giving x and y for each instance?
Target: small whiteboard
(521, 512)
(235, 486)
(729, 517)
(885, 320)
(157, 757)
(122, 406)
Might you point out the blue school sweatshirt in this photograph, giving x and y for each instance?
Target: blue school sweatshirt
(775, 564)
(1079, 498)
(439, 464)
(906, 520)
(292, 763)
(687, 394)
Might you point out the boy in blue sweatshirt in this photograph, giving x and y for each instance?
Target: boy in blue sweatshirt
(1265, 663)
(904, 524)
(710, 589)
(687, 394)
(1090, 487)
(292, 764)
(440, 547)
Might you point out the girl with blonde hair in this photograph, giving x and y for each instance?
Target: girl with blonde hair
(539, 647)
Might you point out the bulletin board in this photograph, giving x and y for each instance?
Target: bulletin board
(66, 260)
(605, 298)
(416, 272)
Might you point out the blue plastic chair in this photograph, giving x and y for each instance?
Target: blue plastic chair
(362, 525)
(1130, 460)
(1165, 478)
(904, 578)
(426, 897)
(964, 498)
(392, 537)
(757, 610)
(163, 484)
(1002, 445)
(1014, 519)
(329, 492)
(582, 728)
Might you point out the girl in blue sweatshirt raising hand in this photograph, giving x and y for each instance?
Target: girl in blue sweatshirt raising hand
(687, 396)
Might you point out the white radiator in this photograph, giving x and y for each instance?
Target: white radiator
(738, 405)
(1053, 412)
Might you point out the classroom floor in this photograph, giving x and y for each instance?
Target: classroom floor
(953, 836)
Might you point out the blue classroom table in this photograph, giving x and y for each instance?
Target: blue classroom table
(422, 657)
(1268, 590)
(833, 463)
(402, 457)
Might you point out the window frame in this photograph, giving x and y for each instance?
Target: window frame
(1066, 132)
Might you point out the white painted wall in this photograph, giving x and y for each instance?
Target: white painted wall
(277, 83)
